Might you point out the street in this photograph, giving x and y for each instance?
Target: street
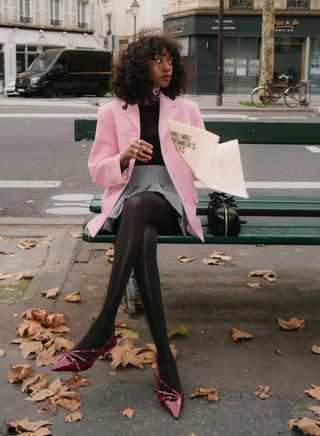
(44, 171)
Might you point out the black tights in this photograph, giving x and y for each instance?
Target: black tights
(144, 216)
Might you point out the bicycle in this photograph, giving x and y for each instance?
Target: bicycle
(265, 94)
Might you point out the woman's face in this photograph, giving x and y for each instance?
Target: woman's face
(160, 69)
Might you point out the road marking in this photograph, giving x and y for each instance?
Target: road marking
(70, 204)
(54, 115)
(68, 210)
(275, 185)
(242, 117)
(30, 183)
(313, 149)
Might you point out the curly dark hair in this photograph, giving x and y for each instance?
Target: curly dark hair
(130, 80)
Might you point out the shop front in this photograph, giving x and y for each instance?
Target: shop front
(297, 50)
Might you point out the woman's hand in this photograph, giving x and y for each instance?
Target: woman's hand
(138, 150)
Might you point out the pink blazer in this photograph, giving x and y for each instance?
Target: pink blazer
(116, 130)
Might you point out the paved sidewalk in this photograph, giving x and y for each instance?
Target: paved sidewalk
(207, 300)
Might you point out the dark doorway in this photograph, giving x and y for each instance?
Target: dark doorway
(288, 56)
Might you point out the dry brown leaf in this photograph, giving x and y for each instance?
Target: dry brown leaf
(28, 328)
(2, 352)
(75, 235)
(291, 324)
(46, 358)
(315, 409)
(48, 240)
(55, 320)
(51, 293)
(26, 244)
(59, 343)
(126, 333)
(128, 412)
(184, 258)
(313, 392)
(43, 394)
(238, 335)
(121, 323)
(30, 201)
(306, 425)
(73, 417)
(315, 349)
(255, 285)
(75, 297)
(220, 255)
(35, 383)
(213, 262)
(125, 354)
(78, 382)
(25, 275)
(211, 394)
(30, 347)
(267, 274)
(26, 425)
(263, 392)
(17, 373)
(110, 254)
(5, 276)
(278, 351)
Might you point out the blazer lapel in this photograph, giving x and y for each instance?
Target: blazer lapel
(167, 112)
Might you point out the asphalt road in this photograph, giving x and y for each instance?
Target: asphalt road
(44, 171)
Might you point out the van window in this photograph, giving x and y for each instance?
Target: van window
(43, 62)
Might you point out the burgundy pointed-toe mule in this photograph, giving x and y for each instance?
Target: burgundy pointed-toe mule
(73, 360)
(171, 400)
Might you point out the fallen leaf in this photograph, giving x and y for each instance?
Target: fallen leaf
(26, 425)
(263, 392)
(30, 201)
(213, 262)
(17, 373)
(315, 349)
(35, 383)
(126, 333)
(125, 354)
(75, 297)
(238, 335)
(306, 425)
(2, 352)
(110, 254)
(51, 293)
(75, 235)
(267, 274)
(41, 395)
(25, 275)
(128, 412)
(30, 347)
(26, 244)
(73, 417)
(313, 392)
(255, 285)
(5, 276)
(211, 394)
(48, 240)
(278, 351)
(291, 324)
(121, 323)
(178, 331)
(315, 409)
(78, 382)
(220, 255)
(185, 258)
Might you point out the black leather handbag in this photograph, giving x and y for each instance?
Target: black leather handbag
(223, 216)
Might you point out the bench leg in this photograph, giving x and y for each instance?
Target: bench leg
(131, 294)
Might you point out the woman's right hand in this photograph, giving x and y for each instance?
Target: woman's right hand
(139, 150)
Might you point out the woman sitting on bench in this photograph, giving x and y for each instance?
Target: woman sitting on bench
(149, 190)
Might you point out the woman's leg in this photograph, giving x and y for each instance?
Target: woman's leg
(148, 281)
(139, 211)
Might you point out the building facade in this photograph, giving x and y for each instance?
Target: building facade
(297, 41)
(28, 27)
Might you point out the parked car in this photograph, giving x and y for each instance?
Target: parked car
(10, 89)
(65, 71)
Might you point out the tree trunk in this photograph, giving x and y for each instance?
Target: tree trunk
(267, 46)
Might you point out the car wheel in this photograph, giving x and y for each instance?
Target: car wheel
(101, 90)
(48, 91)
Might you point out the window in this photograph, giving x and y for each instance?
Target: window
(240, 4)
(55, 12)
(298, 4)
(25, 11)
(82, 15)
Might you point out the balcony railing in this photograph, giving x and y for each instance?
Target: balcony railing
(26, 20)
(298, 4)
(82, 25)
(55, 22)
(238, 4)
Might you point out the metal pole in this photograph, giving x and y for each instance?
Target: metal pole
(220, 55)
(134, 27)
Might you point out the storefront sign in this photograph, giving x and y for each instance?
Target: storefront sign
(286, 26)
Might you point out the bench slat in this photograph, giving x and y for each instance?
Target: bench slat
(255, 206)
(249, 234)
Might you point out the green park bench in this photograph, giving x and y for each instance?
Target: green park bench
(261, 213)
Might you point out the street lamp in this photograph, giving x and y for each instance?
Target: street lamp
(135, 11)
(220, 55)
